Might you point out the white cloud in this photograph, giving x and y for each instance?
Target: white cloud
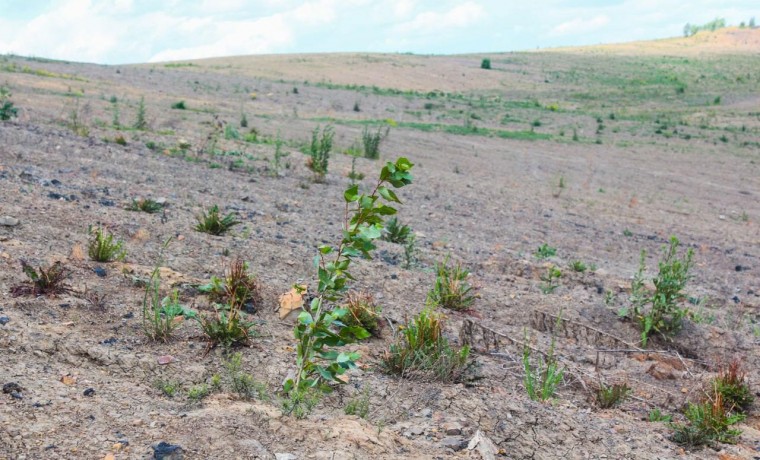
(580, 26)
(430, 22)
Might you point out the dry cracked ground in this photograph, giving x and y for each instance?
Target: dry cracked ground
(599, 153)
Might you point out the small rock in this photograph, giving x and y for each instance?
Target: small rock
(105, 202)
(452, 428)
(166, 359)
(736, 299)
(4, 320)
(426, 412)
(100, 271)
(161, 201)
(454, 443)
(17, 395)
(89, 392)
(285, 456)
(56, 196)
(8, 221)
(137, 422)
(165, 451)
(10, 387)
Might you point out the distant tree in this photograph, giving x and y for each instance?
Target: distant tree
(485, 64)
(687, 30)
(752, 23)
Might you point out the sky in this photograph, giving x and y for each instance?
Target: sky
(132, 31)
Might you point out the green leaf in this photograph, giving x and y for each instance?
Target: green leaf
(351, 194)
(305, 318)
(388, 194)
(384, 210)
(325, 249)
(342, 358)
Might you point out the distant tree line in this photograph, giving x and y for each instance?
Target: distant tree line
(712, 26)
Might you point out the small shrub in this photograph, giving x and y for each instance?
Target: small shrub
(709, 422)
(196, 393)
(371, 141)
(43, 281)
(410, 252)
(545, 251)
(421, 352)
(103, 247)
(610, 396)
(120, 140)
(550, 280)
(213, 223)
(169, 388)
(665, 316)
(231, 133)
(145, 205)
(356, 107)
(451, 289)
(395, 233)
(140, 122)
(7, 110)
(319, 150)
(301, 401)
(243, 120)
(363, 312)
(536, 123)
(180, 105)
(733, 387)
(578, 266)
(485, 64)
(157, 325)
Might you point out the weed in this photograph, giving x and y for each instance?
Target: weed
(243, 383)
(238, 287)
(363, 312)
(550, 280)
(451, 289)
(279, 155)
(733, 387)
(655, 415)
(169, 388)
(575, 135)
(665, 316)
(196, 393)
(485, 64)
(545, 251)
(75, 122)
(356, 107)
(213, 223)
(140, 122)
(319, 150)
(610, 396)
(172, 308)
(371, 141)
(359, 404)
(422, 352)
(156, 324)
(536, 123)
(354, 175)
(43, 281)
(145, 205)
(610, 298)
(410, 251)
(395, 233)
(216, 382)
(578, 266)
(119, 139)
(300, 402)
(627, 233)
(179, 105)
(231, 133)
(709, 422)
(318, 328)
(7, 110)
(541, 381)
(103, 247)
(243, 120)
(96, 299)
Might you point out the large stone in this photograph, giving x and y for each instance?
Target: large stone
(8, 221)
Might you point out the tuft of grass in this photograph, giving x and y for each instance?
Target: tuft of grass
(733, 387)
(541, 381)
(545, 251)
(170, 388)
(610, 396)
(319, 150)
(179, 105)
(395, 233)
(550, 280)
(213, 223)
(578, 266)
(709, 422)
(145, 205)
(451, 289)
(43, 281)
(655, 415)
(103, 247)
(363, 312)
(238, 287)
(371, 141)
(410, 252)
(156, 323)
(243, 383)
(421, 351)
(359, 404)
(300, 402)
(197, 393)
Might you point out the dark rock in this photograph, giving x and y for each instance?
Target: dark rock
(100, 271)
(394, 276)
(56, 196)
(110, 341)
(4, 320)
(11, 387)
(129, 315)
(736, 299)
(55, 182)
(741, 268)
(454, 443)
(165, 451)
(17, 395)
(89, 392)
(105, 202)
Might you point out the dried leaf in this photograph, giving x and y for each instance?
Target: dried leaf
(68, 379)
(291, 301)
(77, 253)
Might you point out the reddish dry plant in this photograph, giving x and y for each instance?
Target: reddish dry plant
(241, 288)
(731, 384)
(44, 281)
(362, 311)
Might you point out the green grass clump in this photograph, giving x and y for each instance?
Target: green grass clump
(196, 393)
(421, 352)
(656, 415)
(733, 387)
(610, 396)
(545, 251)
(180, 105)
(542, 379)
(709, 422)
(578, 266)
(395, 233)
(243, 383)
(359, 404)
(451, 289)
(145, 205)
(213, 223)
(103, 247)
(371, 141)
